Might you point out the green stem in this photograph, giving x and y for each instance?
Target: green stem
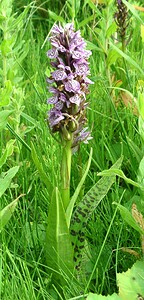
(66, 173)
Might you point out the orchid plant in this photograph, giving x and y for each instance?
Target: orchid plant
(68, 84)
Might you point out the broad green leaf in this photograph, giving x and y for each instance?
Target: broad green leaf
(100, 297)
(8, 152)
(5, 93)
(77, 191)
(128, 218)
(7, 211)
(56, 17)
(40, 169)
(58, 246)
(131, 283)
(128, 58)
(120, 173)
(4, 114)
(6, 179)
(86, 207)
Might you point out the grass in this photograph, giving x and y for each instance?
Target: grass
(23, 271)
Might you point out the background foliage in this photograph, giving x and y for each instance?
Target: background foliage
(113, 246)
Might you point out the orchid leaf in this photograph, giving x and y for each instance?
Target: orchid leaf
(59, 252)
(120, 173)
(86, 207)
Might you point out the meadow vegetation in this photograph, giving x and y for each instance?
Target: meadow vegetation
(30, 156)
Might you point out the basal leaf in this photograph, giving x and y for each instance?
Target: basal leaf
(59, 252)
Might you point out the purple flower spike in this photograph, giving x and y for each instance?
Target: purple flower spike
(68, 83)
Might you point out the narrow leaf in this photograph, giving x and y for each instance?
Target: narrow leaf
(119, 173)
(128, 218)
(31, 120)
(6, 180)
(8, 152)
(56, 17)
(40, 169)
(6, 212)
(128, 58)
(4, 114)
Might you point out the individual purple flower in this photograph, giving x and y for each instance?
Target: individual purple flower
(59, 75)
(69, 83)
(52, 53)
(72, 86)
(55, 116)
(81, 67)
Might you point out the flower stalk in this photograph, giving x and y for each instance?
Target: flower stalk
(66, 173)
(68, 85)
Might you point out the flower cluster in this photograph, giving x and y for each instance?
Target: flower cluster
(68, 83)
(121, 18)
